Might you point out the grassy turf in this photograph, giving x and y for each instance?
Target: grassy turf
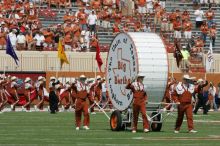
(42, 128)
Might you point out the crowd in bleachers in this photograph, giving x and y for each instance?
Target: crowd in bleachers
(19, 20)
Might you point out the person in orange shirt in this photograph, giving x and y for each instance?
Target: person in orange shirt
(158, 15)
(204, 29)
(93, 44)
(139, 102)
(30, 41)
(27, 94)
(76, 30)
(177, 26)
(82, 16)
(67, 42)
(14, 92)
(187, 29)
(183, 97)
(142, 6)
(185, 15)
(210, 16)
(3, 35)
(49, 38)
(212, 34)
(82, 92)
(115, 28)
(3, 96)
(95, 4)
(164, 21)
(67, 17)
(106, 18)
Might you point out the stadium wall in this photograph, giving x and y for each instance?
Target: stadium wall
(79, 62)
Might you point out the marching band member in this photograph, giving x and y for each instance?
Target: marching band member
(98, 88)
(3, 96)
(65, 93)
(41, 93)
(27, 93)
(91, 86)
(82, 92)
(139, 104)
(73, 93)
(53, 99)
(13, 93)
(183, 97)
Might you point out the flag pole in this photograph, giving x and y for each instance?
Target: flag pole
(95, 70)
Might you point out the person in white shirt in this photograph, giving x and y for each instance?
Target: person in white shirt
(39, 37)
(199, 17)
(211, 95)
(21, 41)
(13, 38)
(92, 22)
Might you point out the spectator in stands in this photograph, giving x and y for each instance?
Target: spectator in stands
(185, 60)
(82, 19)
(142, 6)
(204, 31)
(158, 15)
(212, 34)
(177, 26)
(49, 38)
(125, 28)
(210, 16)
(164, 21)
(106, 19)
(185, 15)
(21, 42)
(172, 18)
(187, 29)
(198, 49)
(149, 6)
(68, 41)
(95, 4)
(162, 3)
(40, 39)
(13, 38)
(199, 17)
(3, 37)
(115, 28)
(211, 95)
(93, 44)
(58, 34)
(92, 19)
(30, 41)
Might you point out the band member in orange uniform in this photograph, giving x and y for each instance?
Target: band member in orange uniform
(27, 94)
(82, 92)
(139, 104)
(183, 97)
(13, 92)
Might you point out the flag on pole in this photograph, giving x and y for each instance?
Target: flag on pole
(10, 50)
(98, 57)
(209, 59)
(62, 54)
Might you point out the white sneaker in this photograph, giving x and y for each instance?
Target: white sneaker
(12, 106)
(146, 130)
(35, 107)
(1, 112)
(86, 127)
(176, 131)
(77, 128)
(133, 131)
(22, 108)
(93, 113)
(192, 131)
(211, 110)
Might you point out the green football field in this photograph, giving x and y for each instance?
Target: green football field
(42, 128)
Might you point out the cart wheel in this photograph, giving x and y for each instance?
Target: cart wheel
(156, 126)
(116, 121)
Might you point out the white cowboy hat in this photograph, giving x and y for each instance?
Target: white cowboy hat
(57, 86)
(13, 78)
(52, 78)
(82, 77)
(141, 75)
(27, 79)
(40, 78)
(200, 80)
(188, 77)
(98, 77)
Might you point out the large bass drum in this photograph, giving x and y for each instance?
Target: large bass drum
(131, 54)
